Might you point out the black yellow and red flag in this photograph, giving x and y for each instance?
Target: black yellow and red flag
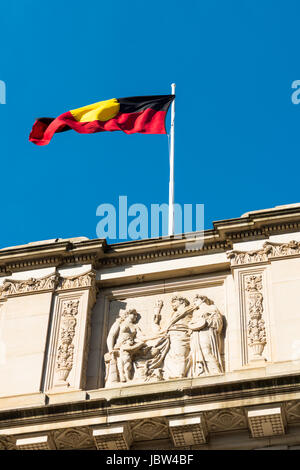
(137, 114)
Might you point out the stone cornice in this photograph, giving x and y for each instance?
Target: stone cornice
(252, 226)
(165, 248)
(283, 389)
(257, 225)
(33, 256)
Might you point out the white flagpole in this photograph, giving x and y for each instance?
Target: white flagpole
(171, 156)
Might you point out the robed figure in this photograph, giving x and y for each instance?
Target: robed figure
(206, 326)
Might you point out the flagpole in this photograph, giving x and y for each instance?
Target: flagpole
(171, 157)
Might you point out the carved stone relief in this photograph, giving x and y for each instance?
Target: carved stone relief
(150, 429)
(65, 351)
(73, 282)
(7, 443)
(268, 251)
(74, 438)
(51, 282)
(182, 340)
(70, 332)
(292, 409)
(14, 287)
(256, 325)
(226, 420)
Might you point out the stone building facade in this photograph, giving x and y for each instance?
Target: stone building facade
(151, 344)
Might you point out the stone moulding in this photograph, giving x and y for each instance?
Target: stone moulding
(267, 418)
(49, 283)
(98, 253)
(268, 251)
(149, 256)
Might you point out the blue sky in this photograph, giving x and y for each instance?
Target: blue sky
(237, 131)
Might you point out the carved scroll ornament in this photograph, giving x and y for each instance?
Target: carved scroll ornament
(14, 287)
(51, 282)
(269, 250)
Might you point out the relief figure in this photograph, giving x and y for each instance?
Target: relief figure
(206, 326)
(187, 345)
(122, 343)
(177, 360)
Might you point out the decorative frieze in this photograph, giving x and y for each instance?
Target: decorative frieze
(52, 282)
(80, 281)
(268, 251)
(11, 287)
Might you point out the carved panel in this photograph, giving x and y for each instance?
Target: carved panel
(268, 251)
(65, 350)
(79, 281)
(246, 257)
(15, 287)
(292, 409)
(51, 282)
(70, 332)
(254, 336)
(149, 429)
(7, 443)
(180, 338)
(225, 420)
(74, 438)
(256, 324)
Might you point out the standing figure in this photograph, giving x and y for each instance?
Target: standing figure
(177, 359)
(122, 344)
(206, 326)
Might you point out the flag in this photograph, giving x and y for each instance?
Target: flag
(142, 114)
